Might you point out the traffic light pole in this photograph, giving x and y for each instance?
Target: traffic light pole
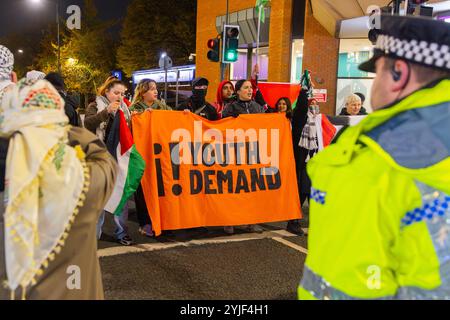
(397, 6)
(223, 66)
(178, 84)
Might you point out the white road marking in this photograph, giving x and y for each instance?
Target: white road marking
(291, 245)
(113, 251)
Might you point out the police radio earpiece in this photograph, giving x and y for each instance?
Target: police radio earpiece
(396, 75)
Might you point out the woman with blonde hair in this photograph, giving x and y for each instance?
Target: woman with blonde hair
(146, 97)
(353, 106)
(99, 114)
(99, 119)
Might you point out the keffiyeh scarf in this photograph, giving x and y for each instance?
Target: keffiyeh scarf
(46, 180)
(308, 139)
(6, 63)
(102, 104)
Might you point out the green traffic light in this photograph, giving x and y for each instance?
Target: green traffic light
(231, 56)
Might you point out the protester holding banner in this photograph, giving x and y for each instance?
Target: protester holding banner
(299, 119)
(284, 105)
(244, 103)
(225, 95)
(99, 120)
(145, 98)
(197, 102)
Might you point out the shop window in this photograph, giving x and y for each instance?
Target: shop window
(353, 52)
(240, 69)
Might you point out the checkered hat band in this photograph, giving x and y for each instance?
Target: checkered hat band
(422, 52)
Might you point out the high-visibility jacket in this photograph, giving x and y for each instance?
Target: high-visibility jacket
(379, 212)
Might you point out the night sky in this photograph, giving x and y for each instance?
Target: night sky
(21, 15)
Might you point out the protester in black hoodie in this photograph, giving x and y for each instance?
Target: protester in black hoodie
(244, 103)
(70, 106)
(197, 102)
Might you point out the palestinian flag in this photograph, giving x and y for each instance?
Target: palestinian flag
(260, 5)
(131, 165)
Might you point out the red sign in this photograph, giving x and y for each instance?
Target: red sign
(320, 95)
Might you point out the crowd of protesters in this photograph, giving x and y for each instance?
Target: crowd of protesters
(243, 97)
(49, 163)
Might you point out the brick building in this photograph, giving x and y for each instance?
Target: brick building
(279, 45)
(327, 37)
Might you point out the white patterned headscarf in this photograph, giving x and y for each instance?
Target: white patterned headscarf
(6, 63)
(35, 75)
(41, 170)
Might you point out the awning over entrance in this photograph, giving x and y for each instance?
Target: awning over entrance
(330, 13)
(248, 22)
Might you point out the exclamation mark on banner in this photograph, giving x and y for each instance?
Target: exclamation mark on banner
(176, 188)
(157, 149)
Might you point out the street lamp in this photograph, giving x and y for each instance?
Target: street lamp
(57, 22)
(72, 61)
(165, 63)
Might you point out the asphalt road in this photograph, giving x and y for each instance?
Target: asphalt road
(203, 264)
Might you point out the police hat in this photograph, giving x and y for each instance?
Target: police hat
(415, 39)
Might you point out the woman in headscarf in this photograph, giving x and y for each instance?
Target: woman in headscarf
(58, 180)
(99, 119)
(311, 132)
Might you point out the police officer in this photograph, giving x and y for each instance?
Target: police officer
(380, 217)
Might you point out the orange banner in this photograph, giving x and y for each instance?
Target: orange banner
(216, 173)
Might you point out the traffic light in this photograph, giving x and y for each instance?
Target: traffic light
(214, 52)
(230, 44)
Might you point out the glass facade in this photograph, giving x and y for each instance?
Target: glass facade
(353, 52)
(296, 60)
(241, 70)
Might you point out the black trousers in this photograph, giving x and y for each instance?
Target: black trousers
(141, 207)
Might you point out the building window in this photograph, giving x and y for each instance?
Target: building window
(238, 70)
(296, 60)
(353, 52)
(241, 70)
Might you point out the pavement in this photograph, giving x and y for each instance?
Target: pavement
(203, 263)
